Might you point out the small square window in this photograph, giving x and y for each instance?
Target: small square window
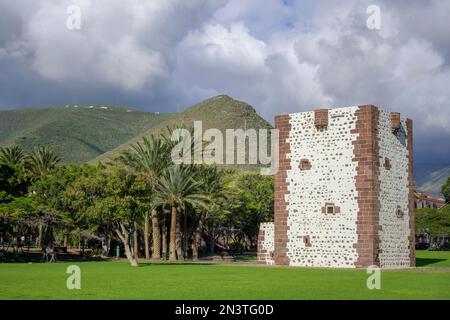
(330, 209)
(305, 164)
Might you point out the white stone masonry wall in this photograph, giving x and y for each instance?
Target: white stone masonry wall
(268, 244)
(314, 238)
(394, 243)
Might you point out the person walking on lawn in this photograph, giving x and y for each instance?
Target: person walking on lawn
(52, 254)
(45, 254)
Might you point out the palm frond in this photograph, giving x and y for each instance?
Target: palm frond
(41, 161)
(12, 155)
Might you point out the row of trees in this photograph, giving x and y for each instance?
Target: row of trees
(142, 199)
(434, 224)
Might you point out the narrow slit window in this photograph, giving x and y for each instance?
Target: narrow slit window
(387, 164)
(399, 212)
(307, 241)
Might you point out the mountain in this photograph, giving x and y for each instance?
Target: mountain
(434, 181)
(221, 112)
(78, 133)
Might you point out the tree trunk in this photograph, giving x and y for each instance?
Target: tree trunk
(124, 237)
(212, 246)
(185, 235)
(172, 244)
(156, 236)
(211, 242)
(164, 238)
(146, 235)
(39, 237)
(179, 238)
(106, 246)
(197, 238)
(135, 241)
(65, 240)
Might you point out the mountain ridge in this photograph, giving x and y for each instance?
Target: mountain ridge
(78, 133)
(221, 112)
(434, 182)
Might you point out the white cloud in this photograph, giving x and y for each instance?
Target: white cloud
(125, 45)
(231, 60)
(262, 17)
(281, 56)
(217, 52)
(131, 66)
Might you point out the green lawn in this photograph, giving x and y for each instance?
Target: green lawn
(117, 280)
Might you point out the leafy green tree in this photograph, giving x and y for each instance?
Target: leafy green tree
(433, 222)
(21, 207)
(82, 194)
(219, 223)
(445, 189)
(177, 188)
(126, 198)
(50, 193)
(24, 216)
(41, 161)
(111, 200)
(256, 193)
(13, 182)
(17, 217)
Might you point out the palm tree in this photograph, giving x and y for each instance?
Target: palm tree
(41, 161)
(12, 155)
(150, 157)
(177, 188)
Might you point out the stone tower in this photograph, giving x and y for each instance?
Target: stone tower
(343, 191)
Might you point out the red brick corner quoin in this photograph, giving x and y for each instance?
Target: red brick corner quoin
(281, 214)
(412, 235)
(261, 254)
(366, 154)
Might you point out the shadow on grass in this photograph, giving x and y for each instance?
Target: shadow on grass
(422, 262)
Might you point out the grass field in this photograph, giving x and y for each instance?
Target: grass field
(117, 280)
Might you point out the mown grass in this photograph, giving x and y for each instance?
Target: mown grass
(117, 280)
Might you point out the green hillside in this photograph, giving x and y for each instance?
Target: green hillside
(77, 133)
(434, 181)
(221, 112)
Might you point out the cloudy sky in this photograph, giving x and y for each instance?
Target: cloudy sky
(280, 56)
